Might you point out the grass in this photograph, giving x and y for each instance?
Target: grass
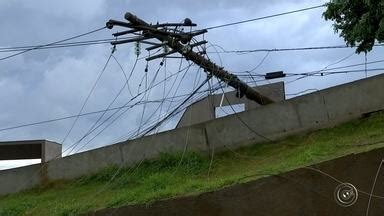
(170, 176)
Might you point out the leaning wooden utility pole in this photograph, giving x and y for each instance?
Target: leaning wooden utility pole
(180, 42)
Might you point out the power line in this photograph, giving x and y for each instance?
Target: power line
(178, 86)
(109, 105)
(181, 107)
(247, 125)
(137, 24)
(317, 74)
(62, 45)
(125, 75)
(135, 168)
(224, 51)
(329, 69)
(265, 17)
(177, 108)
(288, 49)
(240, 119)
(83, 114)
(320, 73)
(146, 95)
(149, 122)
(323, 69)
(353, 65)
(130, 135)
(50, 44)
(335, 72)
(243, 74)
(88, 96)
(170, 102)
(151, 85)
(163, 95)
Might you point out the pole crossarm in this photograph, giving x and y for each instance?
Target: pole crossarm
(179, 42)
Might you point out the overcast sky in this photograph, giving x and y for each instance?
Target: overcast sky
(51, 83)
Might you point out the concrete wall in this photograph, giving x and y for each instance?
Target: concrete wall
(204, 109)
(309, 112)
(127, 153)
(14, 180)
(305, 113)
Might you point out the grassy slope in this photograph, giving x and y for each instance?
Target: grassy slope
(169, 176)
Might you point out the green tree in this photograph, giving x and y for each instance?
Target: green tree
(359, 22)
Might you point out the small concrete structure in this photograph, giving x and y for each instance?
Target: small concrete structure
(205, 109)
(30, 149)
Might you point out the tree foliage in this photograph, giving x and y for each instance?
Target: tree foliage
(359, 22)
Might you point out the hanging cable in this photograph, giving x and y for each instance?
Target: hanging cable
(265, 17)
(90, 130)
(170, 114)
(87, 98)
(56, 42)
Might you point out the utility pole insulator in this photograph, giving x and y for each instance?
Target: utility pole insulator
(180, 42)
